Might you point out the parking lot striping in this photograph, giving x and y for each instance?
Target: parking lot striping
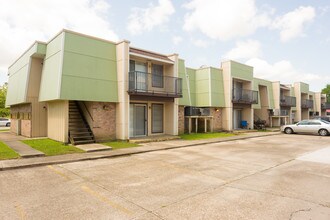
(20, 211)
(58, 172)
(106, 200)
(318, 156)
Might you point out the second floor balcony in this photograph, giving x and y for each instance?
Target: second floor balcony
(244, 96)
(141, 83)
(325, 105)
(307, 103)
(288, 101)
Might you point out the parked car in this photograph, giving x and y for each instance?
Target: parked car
(324, 118)
(4, 122)
(320, 127)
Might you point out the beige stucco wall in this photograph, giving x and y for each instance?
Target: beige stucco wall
(58, 118)
(297, 92)
(276, 94)
(227, 111)
(122, 108)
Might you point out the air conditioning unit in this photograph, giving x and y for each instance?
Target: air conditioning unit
(276, 112)
(204, 111)
(191, 111)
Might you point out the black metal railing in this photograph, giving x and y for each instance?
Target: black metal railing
(307, 103)
(141, 83)
(325, 105)
(289, 101)
(245, 96)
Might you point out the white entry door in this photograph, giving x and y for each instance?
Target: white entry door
(237, 118)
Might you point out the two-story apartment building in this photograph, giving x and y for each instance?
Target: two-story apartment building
(81, 89)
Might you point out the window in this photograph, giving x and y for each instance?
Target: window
(157, 76)
(314, 123)
(157, 118)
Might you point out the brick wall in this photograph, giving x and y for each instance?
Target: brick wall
(13, 126)
(217, 124)
(26, 128)
(23, 113)
(104, 120)
(181, 120)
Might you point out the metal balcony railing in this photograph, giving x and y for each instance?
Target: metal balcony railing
(306, 103)
(325, 105)
(141, 83)
(245, 96)
(288, 101)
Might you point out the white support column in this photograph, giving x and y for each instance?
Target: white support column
(122, 107)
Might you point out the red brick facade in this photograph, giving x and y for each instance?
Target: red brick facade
(181, 120)
(104, 120)
(217, 123)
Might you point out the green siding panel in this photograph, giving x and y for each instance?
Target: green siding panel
(79, 89)
(17, 86)
(241, 71)
(52, 70)
(185, 100)
(269, 85)
(90, 46)
(18, 78)
(89, 69)
(41, 49)
(304, 88)
(217, 88)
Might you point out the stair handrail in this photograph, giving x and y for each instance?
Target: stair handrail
(86, 109)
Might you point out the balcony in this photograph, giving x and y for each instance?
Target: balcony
(288, 101)
(306, 103)
(245, 96)
(147, 84)
(325, 106)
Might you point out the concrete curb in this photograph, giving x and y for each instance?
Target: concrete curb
(61, 159)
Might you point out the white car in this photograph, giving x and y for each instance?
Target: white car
(4, 122)
(320, 127)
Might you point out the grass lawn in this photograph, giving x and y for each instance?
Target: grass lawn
(120, 144)
(5, 130)
(6, 152)
(51, 148)
(200, 136)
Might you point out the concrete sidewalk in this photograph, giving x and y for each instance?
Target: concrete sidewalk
(23, 150)
(147, 147)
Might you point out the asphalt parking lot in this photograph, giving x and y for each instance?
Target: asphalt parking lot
(274, 177)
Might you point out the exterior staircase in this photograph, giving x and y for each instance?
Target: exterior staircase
(79, 130)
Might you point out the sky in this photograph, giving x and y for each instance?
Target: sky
(286, 41)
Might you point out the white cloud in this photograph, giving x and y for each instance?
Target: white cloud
(145, 19)
(23, 22)
(244, 50)
(224, 20)
(200, 43)
(286, 73)
(291, 25)
(177, 40)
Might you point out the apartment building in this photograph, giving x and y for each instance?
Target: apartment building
(81, 89)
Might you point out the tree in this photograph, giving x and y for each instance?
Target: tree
(4, 112)
(326, 91)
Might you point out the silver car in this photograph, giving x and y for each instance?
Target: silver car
(320, 127)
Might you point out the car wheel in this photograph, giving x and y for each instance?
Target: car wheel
(8, 124)
(288, 130)
(323, 132)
